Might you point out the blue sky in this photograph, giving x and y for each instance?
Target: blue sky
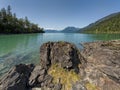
(58, 14)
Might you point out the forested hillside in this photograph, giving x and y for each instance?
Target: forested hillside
(10, 24)
(109, 24)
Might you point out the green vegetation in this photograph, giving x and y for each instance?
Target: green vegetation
(66, 78)
(91, 86)
(10, 24)
(109, 24)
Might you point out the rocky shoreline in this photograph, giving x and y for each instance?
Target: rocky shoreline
(63, 67)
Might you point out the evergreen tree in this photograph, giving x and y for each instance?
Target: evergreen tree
(9, 23)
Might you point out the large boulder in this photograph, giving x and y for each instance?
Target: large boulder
(63, 53)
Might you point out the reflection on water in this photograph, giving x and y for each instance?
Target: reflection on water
(15, 49)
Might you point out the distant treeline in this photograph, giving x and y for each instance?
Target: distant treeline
(10, 24)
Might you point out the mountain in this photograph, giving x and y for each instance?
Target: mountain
(70, 30)
(51, 31)
(66, 30)
(108, 24)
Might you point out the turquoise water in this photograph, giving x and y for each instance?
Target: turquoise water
(15, 49)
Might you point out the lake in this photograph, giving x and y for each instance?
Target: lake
(24, 48)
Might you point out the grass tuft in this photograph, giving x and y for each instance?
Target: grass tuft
(63, 76)
(91, 86)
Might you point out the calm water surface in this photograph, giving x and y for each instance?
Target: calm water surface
(15, 49)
